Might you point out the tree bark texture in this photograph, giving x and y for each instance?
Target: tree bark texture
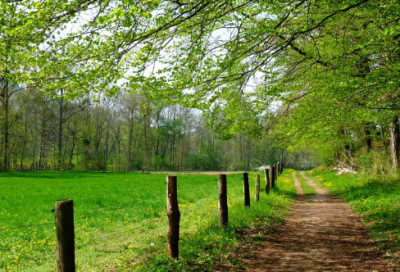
(394, 143)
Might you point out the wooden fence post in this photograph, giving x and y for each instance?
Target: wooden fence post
(65, 250)
(222, 201)
(267, 180)
(246, 189)
(277, 171)
(173, 217)
(273, 175)
(257, 189)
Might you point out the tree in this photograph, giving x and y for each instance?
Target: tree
(235, 60)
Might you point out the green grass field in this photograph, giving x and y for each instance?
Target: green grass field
(376, 200)
(121, 222)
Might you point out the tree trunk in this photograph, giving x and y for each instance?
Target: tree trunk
(394, 143)
(71, 155)
(6, 127)
(130, 143)
(24, 143)
(368, 139)
(60, 130)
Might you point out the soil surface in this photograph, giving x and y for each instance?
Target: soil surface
(321, 233)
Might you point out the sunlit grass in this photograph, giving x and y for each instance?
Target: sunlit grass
(121, 222)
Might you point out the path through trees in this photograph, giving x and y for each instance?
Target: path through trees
(321, 233)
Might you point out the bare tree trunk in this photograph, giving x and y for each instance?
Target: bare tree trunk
(130, 142)
(6, 127)
(368, 139)
(24, 143)
(60, 129)
(394, 143)
(71, 155)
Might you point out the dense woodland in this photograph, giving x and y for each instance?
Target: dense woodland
(126, 132)
(302, 75)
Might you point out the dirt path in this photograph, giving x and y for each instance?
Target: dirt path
(321, 233)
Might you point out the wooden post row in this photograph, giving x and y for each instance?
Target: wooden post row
(257, 189)
(267, 180)
(173, 217)
(65, 250)
(246, 189)
(222, 202)
(273, 169)
(277, 171)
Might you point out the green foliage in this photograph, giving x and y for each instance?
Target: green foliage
(366, 159)
(302, 70)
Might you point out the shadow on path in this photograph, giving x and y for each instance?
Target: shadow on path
(321, 233)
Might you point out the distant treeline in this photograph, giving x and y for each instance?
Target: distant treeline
(122, 133)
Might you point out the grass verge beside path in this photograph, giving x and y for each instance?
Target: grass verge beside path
(307, 189)
(376, 200)
(121, 222)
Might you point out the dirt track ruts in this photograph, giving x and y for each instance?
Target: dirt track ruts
(321, 233)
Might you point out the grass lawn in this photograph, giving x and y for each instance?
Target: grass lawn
(121, 222)
(376, 200)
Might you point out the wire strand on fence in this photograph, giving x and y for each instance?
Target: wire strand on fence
(27, 226)
(36, 257)
(105, 237)
(111, 209)
(101, 211)
(119, 208)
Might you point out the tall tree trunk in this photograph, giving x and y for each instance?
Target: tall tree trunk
(42, 165)
(24, 144)
(60, 130)
(130, 143)
(71, 155)
(394, 142)
(368, 140)
(6, 127)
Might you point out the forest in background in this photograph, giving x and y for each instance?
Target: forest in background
(304, 75)
(126, 132)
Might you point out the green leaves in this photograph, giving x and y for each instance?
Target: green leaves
(243, 62)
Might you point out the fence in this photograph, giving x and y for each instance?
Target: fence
(64, 216)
